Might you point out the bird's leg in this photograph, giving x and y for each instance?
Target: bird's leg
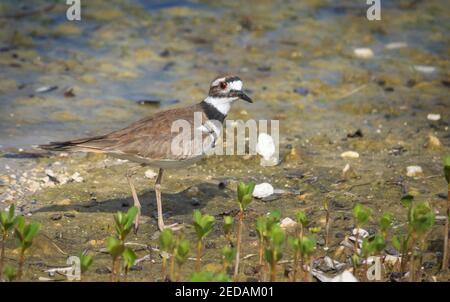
(137, 204)
(161, 224)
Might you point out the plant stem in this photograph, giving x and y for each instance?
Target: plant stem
(273, 267)
(2, 256)
(163, 269)
(21, 262)
(445, 255)
(172, 267)
(199, 255)
(412, 271)
(113, 268)
(238, 243)
(294, 273)
(261, 252)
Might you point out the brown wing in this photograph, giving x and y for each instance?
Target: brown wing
(150, 137)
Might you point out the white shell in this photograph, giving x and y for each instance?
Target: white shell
(414, 171)
(350, 154)
(434, 116)
(424, 68)
(263, 190)
(265, 146)
(288, 223)
(363, 53)
(362, 233)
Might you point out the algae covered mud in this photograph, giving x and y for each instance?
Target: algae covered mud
(363, 108)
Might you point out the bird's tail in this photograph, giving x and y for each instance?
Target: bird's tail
(91, 144)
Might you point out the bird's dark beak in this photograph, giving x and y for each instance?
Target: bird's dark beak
(242, 96)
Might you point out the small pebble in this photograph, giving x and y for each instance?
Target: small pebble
(433, 116)
(288, 224)
(263, 190)
(363, 53)
(414, 171)
(56, 216)
(150, 174)
(350, 154)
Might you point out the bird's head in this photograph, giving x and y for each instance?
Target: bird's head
(224, 91)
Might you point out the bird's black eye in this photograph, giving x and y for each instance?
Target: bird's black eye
(223, 85)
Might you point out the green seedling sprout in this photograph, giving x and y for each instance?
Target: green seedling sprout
(123, 223)
(9, 273)
(302, 221)
(245, 197)
(421, 218)
(115, 249)
(228, 254)
(129, 258)
(203, 225)
(7, 222)
(228, 227)
(181, 253)
(445, 258)
(25, 234)
(86, 261)
(361, 216)
(261, 230)
(401, 241)
(385, 223)
(167, 245)
(274, 249)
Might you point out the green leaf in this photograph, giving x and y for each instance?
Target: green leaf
(228, 253)
(246, 200)
(315, 230)
(307, 246)
(385, 221)
(302, 218)
(203, 224)
(407, 200)
(114, 246)
(241, 191)
(361, 214)
(396, 243)
(85, 261)
(261, 227)
(166, 240)
(131, 215)
(421, 218)
(227, 224)
(9, 273)
(31, 231)
(182, 251)
(129, 258)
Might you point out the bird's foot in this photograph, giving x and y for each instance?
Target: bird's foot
(173, 227)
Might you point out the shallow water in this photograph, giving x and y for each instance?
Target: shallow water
(297, 61)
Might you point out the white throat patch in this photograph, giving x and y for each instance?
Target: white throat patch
(221, 104)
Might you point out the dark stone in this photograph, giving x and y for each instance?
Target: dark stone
(389, 89)
(395, 276)
(222, 185)
(321, 241)
(56, 216)
(381, 82)
(391, 251)
(252, 233)
(410, 83)
(271, 198)
(442, 195)
(125, 204)
(428, 264)
(371, 231)
(136, 268)
(357, 133)
(69, 215)
(103, 270)
(195, 202)
(264, 68)
(337, 204)
(302, 91)
(446, 83)
(165, 53)
(210, 245)
(250, 271)
(339, 235)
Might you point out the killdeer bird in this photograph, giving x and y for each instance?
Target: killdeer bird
(152, 141)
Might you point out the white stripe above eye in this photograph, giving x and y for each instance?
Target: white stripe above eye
(235, 85)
